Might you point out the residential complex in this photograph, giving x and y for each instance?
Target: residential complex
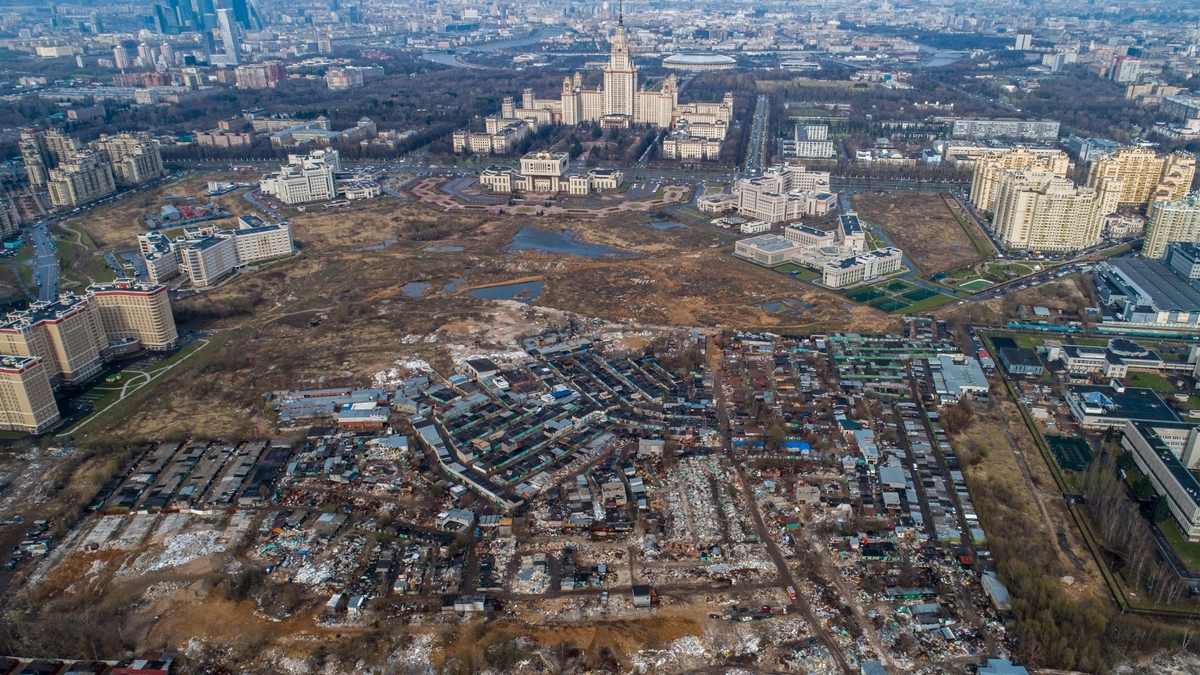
(1144, 175)
(206, 254)
(991, 165)
(1036, 210)
(260, 75)
(76, 333)
(75, 174)
(1174, 220)
(26, 399)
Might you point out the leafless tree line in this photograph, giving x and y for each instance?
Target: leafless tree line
(1125, 531)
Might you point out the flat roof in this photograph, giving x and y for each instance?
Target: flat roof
(1186, 479)
(1167, 291)
(1135, 403)
(850, 224)
(768, 243)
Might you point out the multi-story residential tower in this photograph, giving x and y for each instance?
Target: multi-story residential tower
(26, 399)
(135, 158)
(135, 310)
(1145, 175)
(1037, 210)
(82, 178)
(991, 165)
(65, 333)
(1175, 220)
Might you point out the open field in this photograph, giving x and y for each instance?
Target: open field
(336, 316)
(1152, 381)
(115, 226)
(923, 226)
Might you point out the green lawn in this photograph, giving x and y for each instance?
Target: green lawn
(929, 303)
(24, 253)
(26, 274)
(1152, 381)
(1188, 552)
(1029, 341)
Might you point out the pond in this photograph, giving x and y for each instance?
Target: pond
(449, 249)
(379, 247)
(414, 289)
(453, 284)
(529, 239)
(525, 292)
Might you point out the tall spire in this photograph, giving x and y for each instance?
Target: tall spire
(620, 12)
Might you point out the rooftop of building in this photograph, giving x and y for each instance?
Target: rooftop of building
(17, 363)
(1167, 290)
(1187, 480)
(699, 59)
(1132, 403)
(768, 243)
(43, 310)
(125, 285)
(850, 224)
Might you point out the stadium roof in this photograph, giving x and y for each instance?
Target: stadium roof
(699, 60)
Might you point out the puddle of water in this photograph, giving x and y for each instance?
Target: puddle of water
(437, 249)
(529, 239)
(453, 284)
(379, 247)
(666, 226)
(414, 289)
(525, 292)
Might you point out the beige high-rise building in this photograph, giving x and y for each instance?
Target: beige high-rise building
(1039, 211)
(64, 332)
(1145, 175)
(135, 310)
(135, 158)
(26, 399)
(82, 178)
(207, 260)
(43, 151)
(262, 243)
(1176, 220)
(991, 166)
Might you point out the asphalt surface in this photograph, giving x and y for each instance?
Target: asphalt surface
(45, 262)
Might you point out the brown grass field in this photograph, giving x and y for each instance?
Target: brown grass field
(680, 279)
(922, 225)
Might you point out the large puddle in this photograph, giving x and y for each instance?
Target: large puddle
(415, 289)
(529, 239)
(525, 292)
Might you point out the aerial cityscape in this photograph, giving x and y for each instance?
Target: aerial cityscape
(486, 336)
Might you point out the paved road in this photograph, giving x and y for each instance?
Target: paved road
(45, 261)
(756, 154)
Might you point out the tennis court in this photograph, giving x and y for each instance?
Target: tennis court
(919, 294)
(866, 295)
(1072, 452)
(890, 305)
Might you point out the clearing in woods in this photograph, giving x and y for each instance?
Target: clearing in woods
(923, 226)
